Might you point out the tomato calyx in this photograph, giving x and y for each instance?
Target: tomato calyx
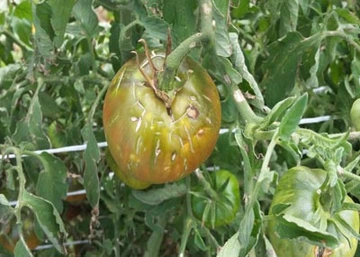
(153, 81)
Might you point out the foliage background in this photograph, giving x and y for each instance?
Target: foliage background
(57, 58)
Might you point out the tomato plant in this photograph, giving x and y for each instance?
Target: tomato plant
(300, 196)
(154, 141)
(219, 206)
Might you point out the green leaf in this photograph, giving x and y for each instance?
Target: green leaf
(43, 30)
(156, 27)
(61, 11)
(91, 157)
(222, 40)
(51, 184)
(292, 117)
(231, 248)
(291, 227)
(289, 11)
(29, 132)
(239, 62)
(21, 249)
(276, 112)
(159, 195)
(281, 67)
(250, 227)
(8, 72)
(312, 81)
(180, 15)
(86, 16)
(48, 218)
(355, 71)
(5, 208)
(23, 11)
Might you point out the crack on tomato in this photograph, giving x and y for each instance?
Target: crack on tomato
(119, 81)
(189, 139)
(207, 98)
(138, 144)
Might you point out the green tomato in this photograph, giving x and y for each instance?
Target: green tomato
(355, 114)
(300, 187)
(221, 209)
(150, 140)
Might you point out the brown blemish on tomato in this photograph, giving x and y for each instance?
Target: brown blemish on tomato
(192, 112)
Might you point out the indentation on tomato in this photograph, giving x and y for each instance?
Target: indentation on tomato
(173, 156)
(192, 112)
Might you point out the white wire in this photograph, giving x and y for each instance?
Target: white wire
(315, 120)
(66, 149)
(48, 246)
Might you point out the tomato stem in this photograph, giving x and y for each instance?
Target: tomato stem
(243, 106)
(349, 175)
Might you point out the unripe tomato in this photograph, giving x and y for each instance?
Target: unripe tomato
(126, 178)
(10, 236)
(355, 114)
(222, 208)
(300, 187)
(150, 141)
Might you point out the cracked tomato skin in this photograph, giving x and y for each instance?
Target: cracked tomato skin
(299, 186)
(147, 140)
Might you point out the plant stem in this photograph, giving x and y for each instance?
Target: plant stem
(243, 106)
(350, 175)
(154, 242)
(188, 225)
